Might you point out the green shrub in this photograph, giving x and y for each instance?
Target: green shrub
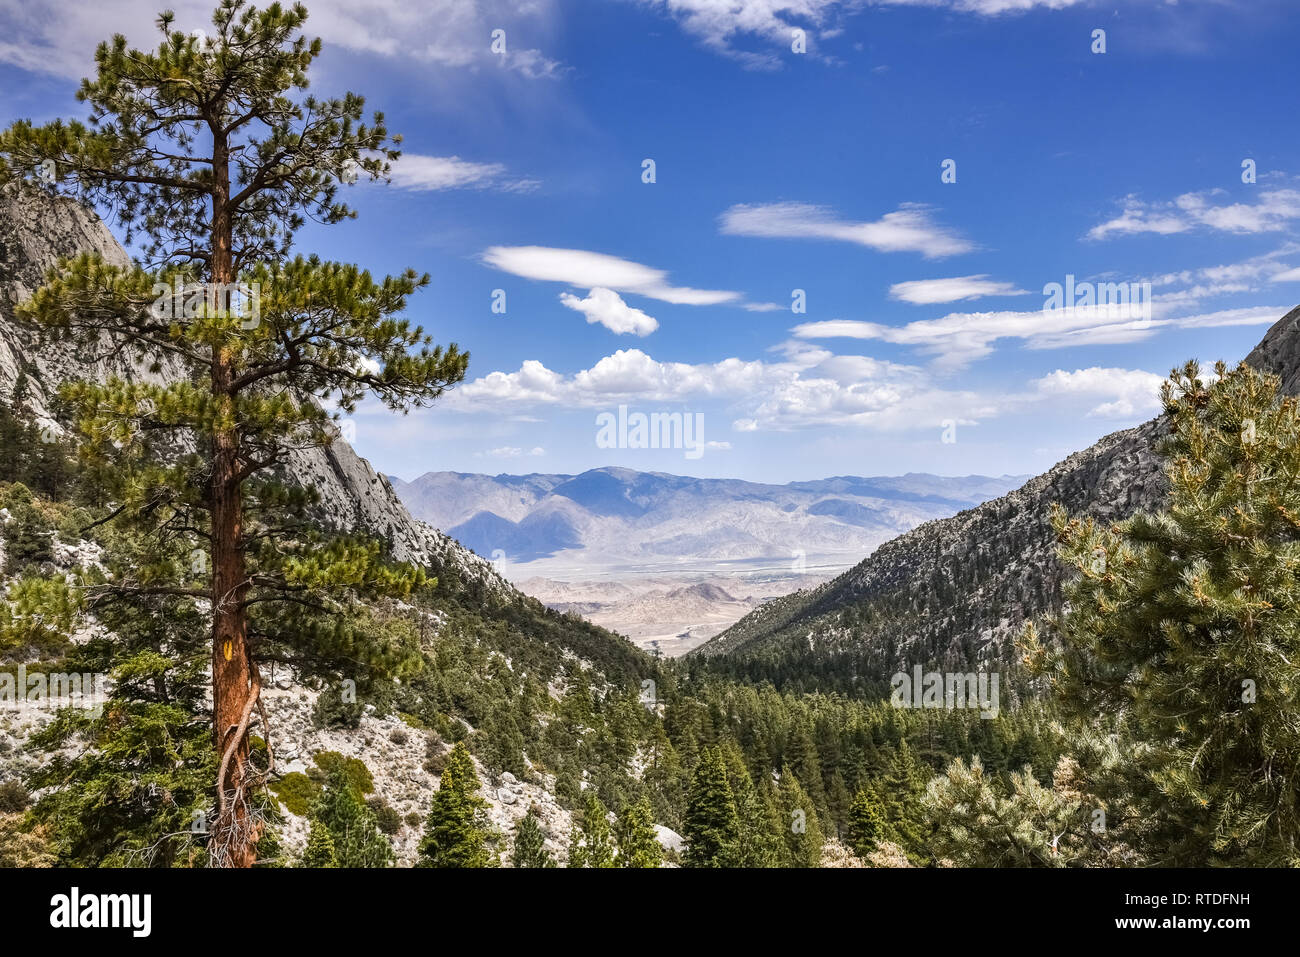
(386, 816)
(332, 711)
(297, 792)
(13, 797)
(354, 769)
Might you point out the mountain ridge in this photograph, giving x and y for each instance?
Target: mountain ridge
(621, 515)
(955, 591)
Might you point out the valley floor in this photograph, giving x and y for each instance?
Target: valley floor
(669, 610)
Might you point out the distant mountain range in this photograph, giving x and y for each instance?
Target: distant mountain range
(618, 518)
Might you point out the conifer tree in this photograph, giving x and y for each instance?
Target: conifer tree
(129, 782)
(866, 823)
(978, 823)
(712, 828)
(354, 831)
(1182, 635)
(805, 760)
(759, 840)
(456, 831)
(803, 830)
(319, 851)
(211, 157)
(591, 843)
(635, 833)
(838, 802)
(904, 785)
(530, 843)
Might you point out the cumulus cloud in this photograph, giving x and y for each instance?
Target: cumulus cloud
(1274, 210)
(608, 308)
(1129, 392)
(590, 270)
(908, 229)
(804, 386)
(931, 291)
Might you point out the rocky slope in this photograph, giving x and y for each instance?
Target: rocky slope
(956, 591)
(35, 232)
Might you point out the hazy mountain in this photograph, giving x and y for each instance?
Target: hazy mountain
(621, 517)
(957, 590)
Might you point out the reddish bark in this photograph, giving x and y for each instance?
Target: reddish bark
(234, 688)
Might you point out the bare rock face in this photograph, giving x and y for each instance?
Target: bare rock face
(956, 591)
(1279, 351)
(36, 231)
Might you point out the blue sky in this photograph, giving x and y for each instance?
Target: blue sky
(778, 171)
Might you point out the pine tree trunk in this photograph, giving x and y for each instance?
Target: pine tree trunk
(234, 692)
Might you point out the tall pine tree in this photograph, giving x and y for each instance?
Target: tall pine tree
(456, 831)
(712, 829)
(211, 156)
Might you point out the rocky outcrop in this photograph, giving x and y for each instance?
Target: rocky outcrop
(37, 230)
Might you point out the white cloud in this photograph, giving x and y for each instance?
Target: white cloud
(808, 386)
(427, 173)
(908, 229)
(589, 270)
(1130, 392)
(1290, 275)
(1274, 210)
(1187, 287)
(60, 38)
(931, 291)
(721, 25)
(958, 339)
(608, 308)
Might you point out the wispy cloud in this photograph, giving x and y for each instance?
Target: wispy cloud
(724, 25)
(931, 291)
(958, 339)
(60, 38)
(511, 452)
(1272, 211)
(429, 173)
(909, 229)
(591, 270)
